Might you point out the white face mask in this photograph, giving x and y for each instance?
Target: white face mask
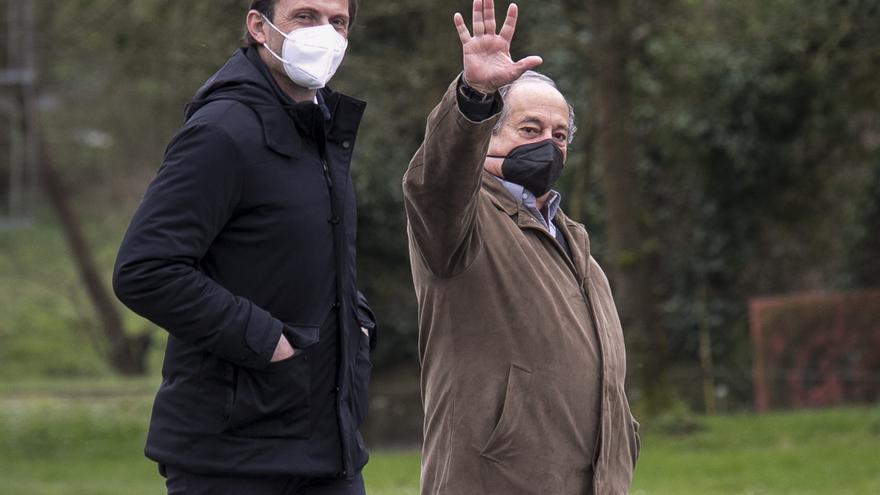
(310, 55)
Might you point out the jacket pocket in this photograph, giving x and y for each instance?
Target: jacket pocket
(271, 403)
(502, 443)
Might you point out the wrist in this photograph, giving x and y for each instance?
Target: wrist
(475, 92)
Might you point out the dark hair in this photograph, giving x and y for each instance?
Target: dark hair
(267, 8)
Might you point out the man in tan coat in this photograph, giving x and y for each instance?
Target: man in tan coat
(523, 361)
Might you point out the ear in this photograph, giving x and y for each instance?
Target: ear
(256, 26)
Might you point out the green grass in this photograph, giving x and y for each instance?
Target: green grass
(93, 445)
(74, 446)
(811, 452)
(75, 438)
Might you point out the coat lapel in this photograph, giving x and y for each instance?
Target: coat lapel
(575, 235)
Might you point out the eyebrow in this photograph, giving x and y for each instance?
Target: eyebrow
(537, 121)
(301, 10)
(314, 11)
(531, 120)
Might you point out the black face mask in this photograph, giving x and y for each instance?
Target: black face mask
(535, 166)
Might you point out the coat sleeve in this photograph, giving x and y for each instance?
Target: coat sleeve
(442, 185)
(157, 271)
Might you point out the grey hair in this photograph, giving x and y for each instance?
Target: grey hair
(534, 76)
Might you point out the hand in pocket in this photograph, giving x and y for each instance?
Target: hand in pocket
(283, 350)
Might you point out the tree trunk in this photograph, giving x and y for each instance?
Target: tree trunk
(630, 262)
(125, 354)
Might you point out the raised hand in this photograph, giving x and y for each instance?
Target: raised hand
(487, 62)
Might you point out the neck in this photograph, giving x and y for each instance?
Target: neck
(295, 92)
(541, 202)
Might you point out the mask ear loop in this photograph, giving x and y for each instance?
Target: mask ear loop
(266, 19)
(266, 45)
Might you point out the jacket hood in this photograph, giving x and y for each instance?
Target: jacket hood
(246, 79)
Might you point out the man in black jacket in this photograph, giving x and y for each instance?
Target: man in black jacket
(243, 249)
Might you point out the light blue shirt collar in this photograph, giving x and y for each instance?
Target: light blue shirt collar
(527, 200)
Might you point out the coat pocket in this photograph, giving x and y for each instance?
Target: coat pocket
(503, 441)
(271, 403)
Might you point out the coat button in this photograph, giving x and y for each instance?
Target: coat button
(346, 144)
(334, 220)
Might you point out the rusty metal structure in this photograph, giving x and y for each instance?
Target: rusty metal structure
(816, 350)
(19, 151)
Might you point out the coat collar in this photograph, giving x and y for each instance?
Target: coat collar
(282, 121)
(574, 233)
(499, 195)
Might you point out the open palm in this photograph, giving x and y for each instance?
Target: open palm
(487, 62)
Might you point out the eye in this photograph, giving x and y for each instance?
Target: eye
(304, 16)
(529, 130)
(560, 136)
(339, 22)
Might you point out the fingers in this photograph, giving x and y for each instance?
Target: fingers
(479, 25)
(462, 29)
(489, 16)
(528, 63)
(509, 26)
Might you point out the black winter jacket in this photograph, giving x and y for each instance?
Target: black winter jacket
(248, 230)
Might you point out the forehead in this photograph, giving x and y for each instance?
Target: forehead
(331, 7)
(537, 100)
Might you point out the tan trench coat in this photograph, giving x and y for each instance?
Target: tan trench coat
(523, 360)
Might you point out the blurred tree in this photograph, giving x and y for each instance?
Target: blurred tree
(866, 256)
(630, 261)
(725, 149)
(748, 117)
